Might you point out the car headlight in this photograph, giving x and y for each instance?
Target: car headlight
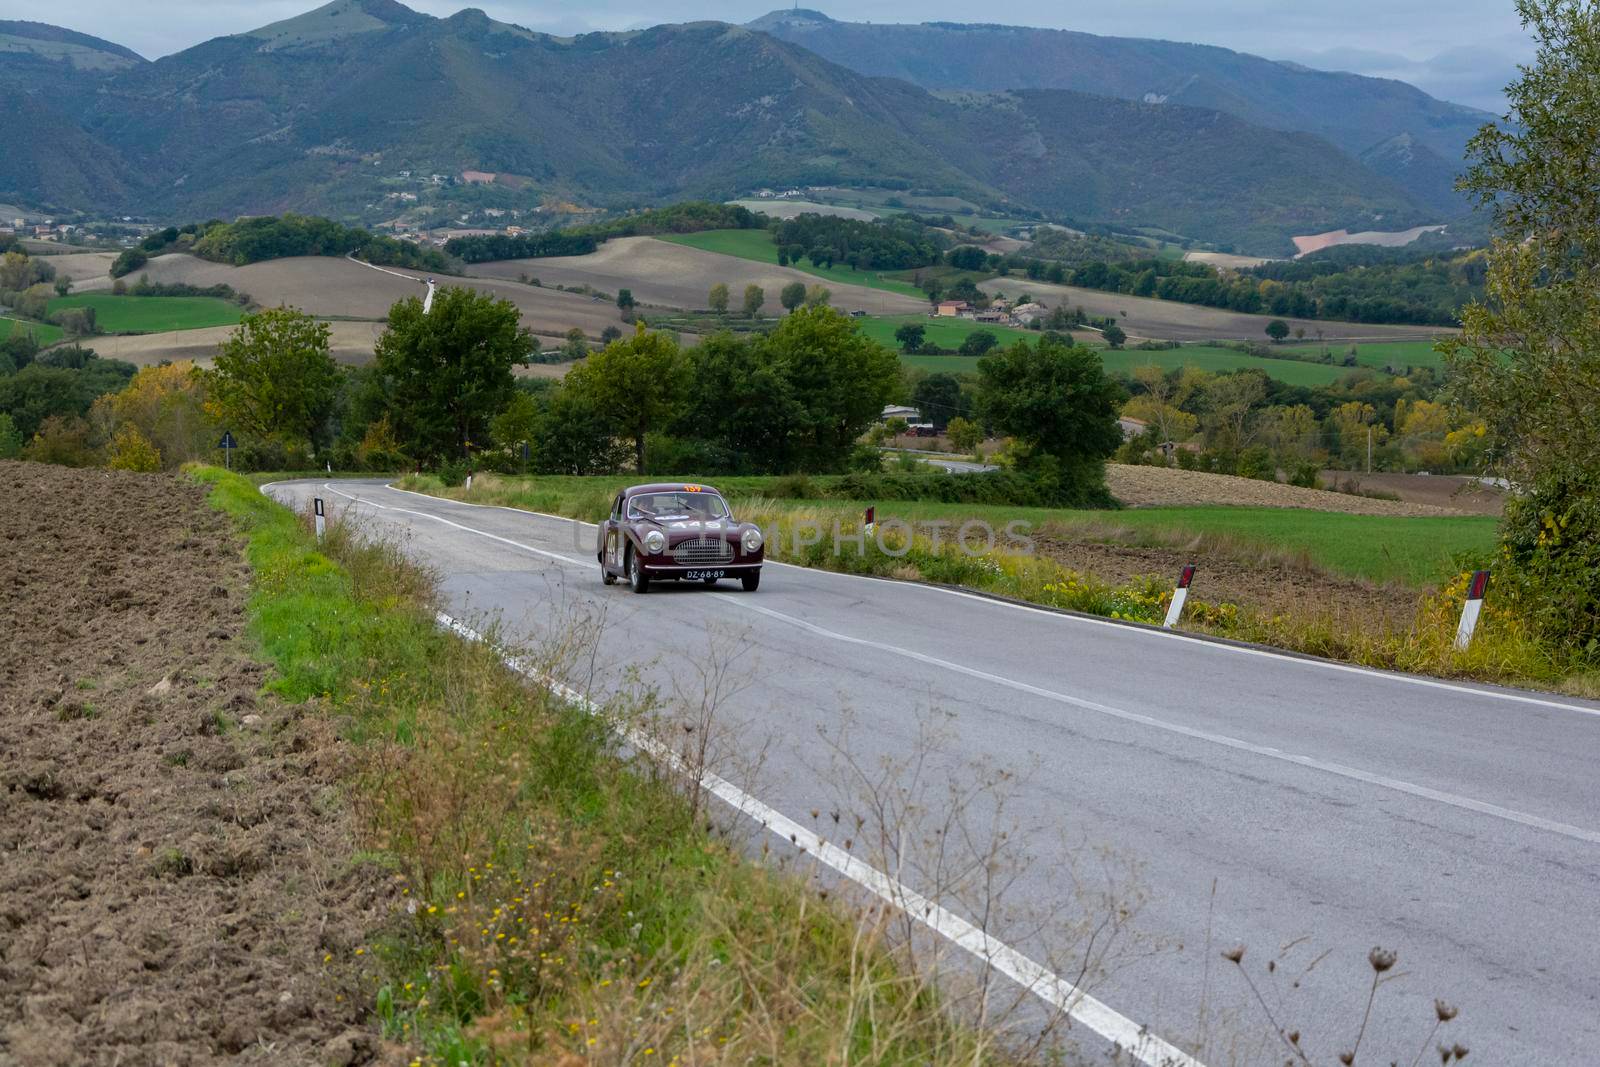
(752, 540)
(655, 542)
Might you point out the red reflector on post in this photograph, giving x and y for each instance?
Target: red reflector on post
(872, 516)
(1480, 583)
(1186, 577)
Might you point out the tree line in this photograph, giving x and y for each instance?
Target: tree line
(256, 240)
(692, 216)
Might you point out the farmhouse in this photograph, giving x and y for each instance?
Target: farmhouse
(477, 177)
(900, 411)
(1027, 314)
(950, 309)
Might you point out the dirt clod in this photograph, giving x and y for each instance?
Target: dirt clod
(164, 876)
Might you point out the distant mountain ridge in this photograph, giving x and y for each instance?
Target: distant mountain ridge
(309, 113)
(1355, 112)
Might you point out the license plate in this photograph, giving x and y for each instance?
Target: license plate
(700, 576)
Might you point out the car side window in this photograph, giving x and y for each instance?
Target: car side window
(616, 507)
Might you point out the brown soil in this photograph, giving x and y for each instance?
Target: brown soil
(1260, 585)
(1453, 491)
(1140, 487)
(174, 854)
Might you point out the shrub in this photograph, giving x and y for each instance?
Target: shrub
(128, 262)
(131, 451)
(62, 439)
(10, 438)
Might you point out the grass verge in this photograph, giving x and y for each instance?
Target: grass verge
(1503, 651)
(558, 902)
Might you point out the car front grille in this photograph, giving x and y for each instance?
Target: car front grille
(701, 551)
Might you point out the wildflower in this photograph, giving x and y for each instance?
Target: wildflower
(1234, 954)
(1444, 1011)
(1381, 959)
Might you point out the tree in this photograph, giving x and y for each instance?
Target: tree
(717, 299)
(637, 382)
(1114, 335)
(517, 422)
(607, 335)
(978, 342)
(167, 405)
(576, 345)
(1054, 398)
(63, 285)
(840, 381)
(754, 297)
(1528, 357)
(1277, 329)
(742, 404)
(792, 295)
(448, 372)
(938, 397)
(1231, 401)
(273, 377)
(818, 296)
(575, 436)
(964, 434)
(625, 300)
(896, 426)
(910, 336)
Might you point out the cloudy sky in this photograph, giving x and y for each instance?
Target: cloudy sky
(1464, 50)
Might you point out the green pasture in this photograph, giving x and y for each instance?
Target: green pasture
(757, 245)
(152, 314)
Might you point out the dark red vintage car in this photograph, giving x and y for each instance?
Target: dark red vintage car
(677, 532)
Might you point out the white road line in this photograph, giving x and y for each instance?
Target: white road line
(1452, 799)
(1165, 635)
(1577, 833)
(1043, 983)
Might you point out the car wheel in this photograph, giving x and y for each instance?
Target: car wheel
(636, 576)
(751, 582)
(606, 576)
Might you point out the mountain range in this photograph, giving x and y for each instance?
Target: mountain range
(309, 114)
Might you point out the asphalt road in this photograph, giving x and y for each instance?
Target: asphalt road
(1295, 807)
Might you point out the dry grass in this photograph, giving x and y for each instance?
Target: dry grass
(677, 276)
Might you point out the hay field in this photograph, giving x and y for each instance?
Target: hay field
(1168, 320)
(334, 287)
(350, 342)
(1224, 260)
(677, 276)
(90, 271)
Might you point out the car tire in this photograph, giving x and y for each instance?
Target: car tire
(751, 582)
(606, 576)
(636, 575)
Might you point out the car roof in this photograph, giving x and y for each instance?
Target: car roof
(670, 487)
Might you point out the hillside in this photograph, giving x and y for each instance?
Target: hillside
(314, 114)
(1354, 112)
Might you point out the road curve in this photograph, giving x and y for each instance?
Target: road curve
(1266, 800)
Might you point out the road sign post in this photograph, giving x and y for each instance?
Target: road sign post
(1471, 609)
(322, 521)
(227, 444)
(1179, 595)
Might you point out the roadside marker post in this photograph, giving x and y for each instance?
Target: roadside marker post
(322, 522)
(469, 481)
(1179, 595)
(1471, 609)
(227, 444)
(869, 521)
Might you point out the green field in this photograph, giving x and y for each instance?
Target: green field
(757, 245)
(152, 314)
(1117, 361)
(946, 333)
(43, 332)
(1416, 551)
(1380, 354)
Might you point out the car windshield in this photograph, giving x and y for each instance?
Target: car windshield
(677, 505)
